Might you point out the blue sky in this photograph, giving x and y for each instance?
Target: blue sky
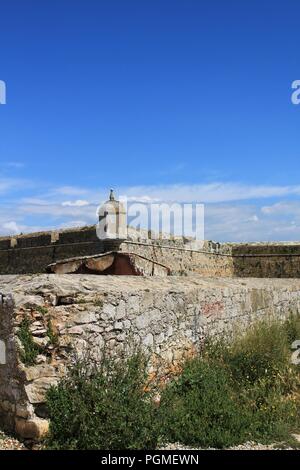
(173, 100)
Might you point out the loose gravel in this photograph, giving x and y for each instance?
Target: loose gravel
(10, 443)
(246, 446)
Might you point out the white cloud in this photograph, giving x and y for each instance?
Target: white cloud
(239, 222)
(35, 201)
(11, 228)
(8, 185)
(282, 208)
(16, 165)
(73, 223)
(234, 211)
(70, 190)
(145, 199)
(211, 193)
(253, 218)
(58, 210)
(216, 192)
(78, 203)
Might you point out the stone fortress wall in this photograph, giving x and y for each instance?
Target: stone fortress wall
(169, 317)
(213, 289)
(30, 254)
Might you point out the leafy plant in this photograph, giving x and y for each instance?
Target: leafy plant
(199, 407)
(232, 392)
(262, 353)
(105, 407)
(29, 350)
(241, 390)
(51, 334)
(42, 310)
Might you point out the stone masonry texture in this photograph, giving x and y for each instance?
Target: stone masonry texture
(32, 253)
(169, 317)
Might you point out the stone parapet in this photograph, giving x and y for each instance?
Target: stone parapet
(71, 315)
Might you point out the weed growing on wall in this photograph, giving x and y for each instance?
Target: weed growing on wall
(53, 337)
(42, 310)
(29, 350)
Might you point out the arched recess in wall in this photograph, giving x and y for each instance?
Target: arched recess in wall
(2, 353)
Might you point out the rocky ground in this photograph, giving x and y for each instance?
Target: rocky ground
(246, 446)
(10, 443)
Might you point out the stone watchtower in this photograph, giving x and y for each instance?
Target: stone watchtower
(112, 226)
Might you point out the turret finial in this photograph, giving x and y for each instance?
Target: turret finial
(111, 196)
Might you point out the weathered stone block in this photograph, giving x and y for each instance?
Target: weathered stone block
(185, 312)
(35, 429)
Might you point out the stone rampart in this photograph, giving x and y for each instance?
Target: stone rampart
(29, 254)
(71, 315)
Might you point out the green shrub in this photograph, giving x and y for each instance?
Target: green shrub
(241, 390)
(103, 408)
(263, 352)
(199, 408)
(233, 392)
(272, 415)
(29, 350)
